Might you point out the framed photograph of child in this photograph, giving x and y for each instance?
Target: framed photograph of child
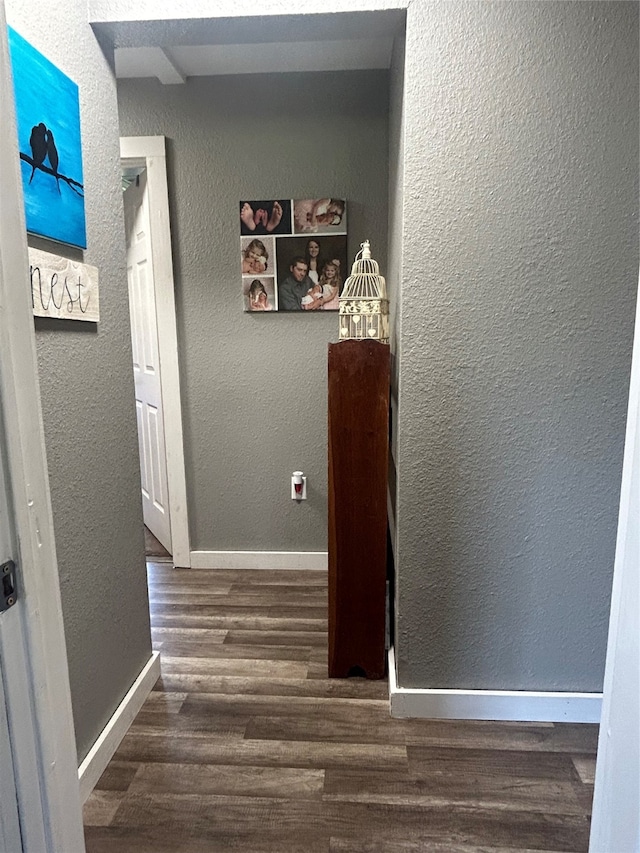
(320, 216)
(257, 256)
(259, 294)
(265, 217)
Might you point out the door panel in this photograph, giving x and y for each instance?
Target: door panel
(18, 759)
(144, 477)
(10, 638)
(146, 366)
(154, 420)
(22, 727)
(10, 838)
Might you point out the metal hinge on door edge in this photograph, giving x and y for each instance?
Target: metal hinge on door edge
(8, 591)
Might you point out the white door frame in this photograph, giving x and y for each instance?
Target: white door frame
(51, 768)
(615, 823)
(150, 152)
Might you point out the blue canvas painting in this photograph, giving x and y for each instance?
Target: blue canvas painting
(48, 117)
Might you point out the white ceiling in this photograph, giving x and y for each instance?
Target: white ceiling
(174, 64)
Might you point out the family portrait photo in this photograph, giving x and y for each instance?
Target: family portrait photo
(311, 272)
(293, 254)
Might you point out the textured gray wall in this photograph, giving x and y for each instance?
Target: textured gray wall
(254, 387)
(395, 269)
(86, 383)
(520, 275)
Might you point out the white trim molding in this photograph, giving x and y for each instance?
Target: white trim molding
(140, 147)
(149, 151)
(109, 739)
(615, 822)
(116, 11)
(518, 705)
(259, 559)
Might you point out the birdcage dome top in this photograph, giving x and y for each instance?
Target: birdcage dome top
(365, 281)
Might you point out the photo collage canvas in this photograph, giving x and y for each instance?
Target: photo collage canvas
(293, 253)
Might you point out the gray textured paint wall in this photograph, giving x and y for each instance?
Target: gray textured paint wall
(395, 268)
(86, 385)
(254, 387)
(520, 276)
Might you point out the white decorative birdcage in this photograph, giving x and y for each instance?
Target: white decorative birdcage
(364, 307)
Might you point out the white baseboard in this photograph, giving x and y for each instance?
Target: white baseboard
(109, 739)
(518, 705)
(259, 559)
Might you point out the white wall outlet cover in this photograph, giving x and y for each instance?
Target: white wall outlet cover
(296, 496)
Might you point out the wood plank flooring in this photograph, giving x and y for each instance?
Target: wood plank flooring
(153, 548)
(246, 745)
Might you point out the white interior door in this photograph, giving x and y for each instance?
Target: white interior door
(146, 364)
(10, 836)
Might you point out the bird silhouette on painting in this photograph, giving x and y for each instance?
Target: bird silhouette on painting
(43, 146)
(52, 153)
(38, 143)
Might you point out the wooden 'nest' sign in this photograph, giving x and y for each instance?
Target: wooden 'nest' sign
(64, 289)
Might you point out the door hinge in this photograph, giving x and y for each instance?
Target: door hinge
(8, 591)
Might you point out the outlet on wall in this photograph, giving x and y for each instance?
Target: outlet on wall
(302, 494)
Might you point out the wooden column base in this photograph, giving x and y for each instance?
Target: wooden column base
(359, 374)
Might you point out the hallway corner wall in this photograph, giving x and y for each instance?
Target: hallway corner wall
(519, 286)
(86, 386)
(395, 266)
(254, 386)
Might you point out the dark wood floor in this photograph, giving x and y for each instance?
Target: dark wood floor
(154, 549)
(246, 745)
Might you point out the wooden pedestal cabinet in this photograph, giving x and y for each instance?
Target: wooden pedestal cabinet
(359, 375)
